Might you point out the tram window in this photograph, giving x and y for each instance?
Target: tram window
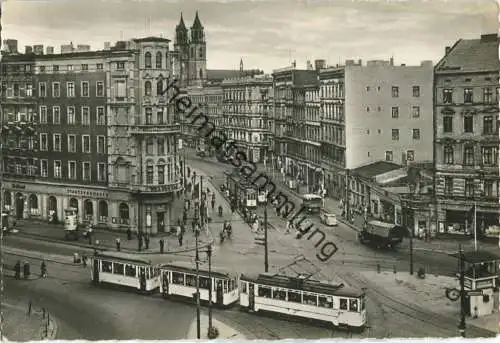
(310, 299)
(325, 302)
(106, 266)
(243, 287)
(204, 283)
(295, 297)
(353, 305)
(279, 294)
(118, 268)
(264, 292)
(178, 278)
(343, 304)
(190, 280)
(226, 283)
(130, 270)
(233, 285)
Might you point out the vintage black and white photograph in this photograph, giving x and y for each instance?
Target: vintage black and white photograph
(269, 169)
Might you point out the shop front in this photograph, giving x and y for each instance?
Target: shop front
(155, 213)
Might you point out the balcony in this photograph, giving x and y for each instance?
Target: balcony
(155, 129)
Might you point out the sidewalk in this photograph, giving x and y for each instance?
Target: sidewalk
(19, 326)
(225, 331)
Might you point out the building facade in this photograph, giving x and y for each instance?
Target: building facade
(106, 136)
(466, 136)
(246, 103)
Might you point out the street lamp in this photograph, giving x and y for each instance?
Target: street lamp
(404, 209)
(461, 325)
(197, 258)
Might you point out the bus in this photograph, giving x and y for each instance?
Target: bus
(312, 202)
(299, 297)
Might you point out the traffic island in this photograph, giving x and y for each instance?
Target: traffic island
(22, 322)
(223, 331)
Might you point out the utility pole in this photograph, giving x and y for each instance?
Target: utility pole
(209, 253)
(266, 253)
(461, 326)
(197, 257)
(184, 168)
(1, 212)
(405, 218)
(347, 195)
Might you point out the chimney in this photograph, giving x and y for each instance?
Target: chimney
(349, 62)
(447, 50)
(67, 48)
(50, 50)
(82, 48)
(28, 49)
(403, 64)
(319, 64)
(309, 65)
(10, 46)
(107, 45)
(294, 64)
(391, 61)
(359, 62)
(38, 49)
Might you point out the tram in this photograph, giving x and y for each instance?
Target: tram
(179, 279)
(303, 298)
(244, 191)
(128, 270)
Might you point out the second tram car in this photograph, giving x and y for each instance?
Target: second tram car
(304, 298)
(128, 270)
(244, 191)
(179, 279)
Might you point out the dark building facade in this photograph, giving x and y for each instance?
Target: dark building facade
(466, 138)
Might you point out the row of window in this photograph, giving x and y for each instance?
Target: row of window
(70, 67)
(468, 124)
(160, 145)
(148, 63)
(189, 280)
(162, 174)
(128, 269)
(86, 146)
(489, 188)
(71, 115)
(489, 155)
(468, 95)
(389, 156)
(70, 89)
(72, 170)
(395, 134)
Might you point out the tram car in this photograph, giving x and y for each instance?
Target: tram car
(382, 235)
(304, 298)
(179, 279)
(245, 191)
(126, 270)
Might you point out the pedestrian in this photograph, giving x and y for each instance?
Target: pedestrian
(43, 269)
(188, 204)
(213, 204)
(162, 245)
(129, 234)
(220, 210)
(180, 240)
(117, 243)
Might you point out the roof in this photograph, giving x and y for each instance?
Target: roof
(472, 55)
(151, 39)
(203, 271)
(221, 74)
(302, 285)
(375, 169)
(478, 256)
(146, 259)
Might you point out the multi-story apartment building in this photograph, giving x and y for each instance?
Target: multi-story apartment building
(246, 102)
(98, 109)
(289, 89)
(466, 135)
(19, 137)
(374, 112)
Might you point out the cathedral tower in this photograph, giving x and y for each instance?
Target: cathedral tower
(197, 53)
(181, 48)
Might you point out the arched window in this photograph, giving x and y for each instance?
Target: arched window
(161, 171)
(52, 203)
(124, 213)
(201, 52)
(33, 205)
(159, 87)
(89, 209)
(448, 154)
(147, 60)
(149, 172)
(147, 88)
(103, 211)
(158, 60)
(7, 199)
(150, 146)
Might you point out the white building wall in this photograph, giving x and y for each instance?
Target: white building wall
(368, 113)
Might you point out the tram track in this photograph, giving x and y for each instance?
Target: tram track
(443, 324)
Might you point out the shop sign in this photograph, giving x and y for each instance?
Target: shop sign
(484, 284)
(87, 193)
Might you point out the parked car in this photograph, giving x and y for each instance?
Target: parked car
(328, 219)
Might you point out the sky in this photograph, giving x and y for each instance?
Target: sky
(266, 34)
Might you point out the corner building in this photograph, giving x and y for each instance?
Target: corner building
(106, 137)
(466, 137)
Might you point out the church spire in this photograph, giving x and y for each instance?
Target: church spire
(197, 31)
(181, 34)
(197, 23)
(241, 65)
